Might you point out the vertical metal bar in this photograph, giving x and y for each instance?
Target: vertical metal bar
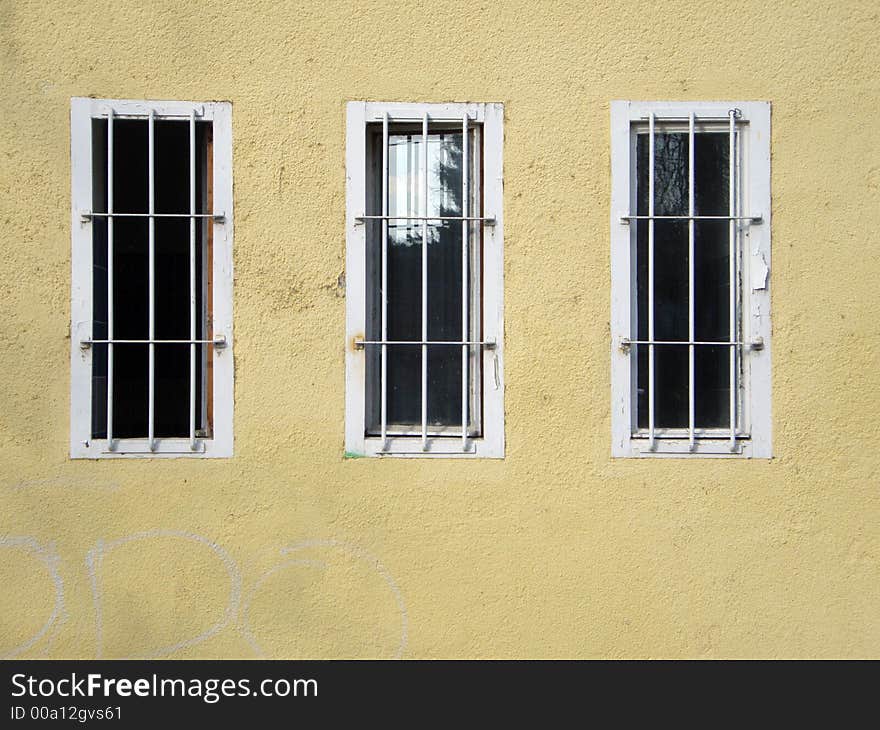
(384, 375)
(425, 284)
(691, 393)
(110, 327)
(651, 442)
(151, 415)
(192, 280)
(733, 283)
(412, 185)
(465, 172)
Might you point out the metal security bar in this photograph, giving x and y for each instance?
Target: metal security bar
(218, 342)
(464, 280)
(651, 443)
(420, 214)
(89, 215)
(425, 283)
(192, 281)
(732, 260)
(750, 218)
(486, 220)
(151, 417)
(691, 335)
(110, 281)
(488, 344)
(733, 343)
(754, 345)
(384, 375)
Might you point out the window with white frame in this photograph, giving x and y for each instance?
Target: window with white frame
(151, 306)
(690, 257)
(424, 275)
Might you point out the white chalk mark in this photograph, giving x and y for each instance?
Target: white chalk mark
(246, 605)
(49, 558)
(93, 561)
(371, 561)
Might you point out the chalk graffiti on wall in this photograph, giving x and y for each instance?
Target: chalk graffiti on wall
(237, 613)
(48, 558)
(95, 557)
(353, 551)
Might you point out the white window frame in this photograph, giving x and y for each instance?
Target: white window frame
(82, 112)
(753, 437)
(491, 443)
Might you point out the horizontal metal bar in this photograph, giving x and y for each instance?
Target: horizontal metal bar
(750, 218)
(156, 115)
(488, 220)
(219, 217)
(725, 119)
(217, 342)
(757, 344)
(418, 434)
(488, 344)
(716, 434)
(420, 119)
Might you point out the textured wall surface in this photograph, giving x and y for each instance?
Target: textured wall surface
(290, 550)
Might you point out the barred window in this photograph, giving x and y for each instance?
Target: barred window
(151, 307)
(424, 280)
(690, 260)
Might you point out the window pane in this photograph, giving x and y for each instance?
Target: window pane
(711, 173)
(712, 386)
(130, 166)
(130, 391)
(99, 391)
(671, 386)
(444, 386)
(670, 280)
(406, 193)
(131, 277)
(640, 352)
(404, 298)
(172, 295)
(172, 390)
(444, 282)
(171, 165)
(711, 281)
(405, 385)
(670, 173)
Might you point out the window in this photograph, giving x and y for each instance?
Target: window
(424, 362)
(151, 308)
(690, 257)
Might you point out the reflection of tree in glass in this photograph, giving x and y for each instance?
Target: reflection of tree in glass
(444, 274)
(444, 186)
(671, 174)
(444, 161)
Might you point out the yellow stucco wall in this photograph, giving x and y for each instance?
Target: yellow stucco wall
(557, 550)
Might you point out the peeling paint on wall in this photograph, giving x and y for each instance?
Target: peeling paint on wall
(760, 272)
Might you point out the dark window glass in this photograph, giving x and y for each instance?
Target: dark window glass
(711, 280)
(406, 196)
(131, 277)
